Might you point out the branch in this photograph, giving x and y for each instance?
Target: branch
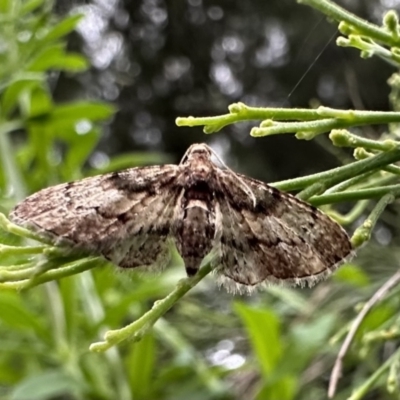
(363, 232)
(354, 23)
(307, 122)
(339, 174)
(360, 194)
(137, 329)
(57, 262)
(337, 369)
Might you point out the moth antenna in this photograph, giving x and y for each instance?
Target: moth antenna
(186, 153)
(248, 191)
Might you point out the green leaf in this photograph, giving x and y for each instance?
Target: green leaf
(8, 376)
(140, 363)
(69, 294)
(63, 28)
(375, 318)
(263, 328)
(299, 345)
(46, 386)
(15, 314)
(318, 329)
(353, 275)
(79, 150)
(38, 103)
(73, 62)
(90, 110)
(12, 93)
(291, 298)
(39, 137)
(282, 389)
(29, 6)
(55, 57)
(5, 6)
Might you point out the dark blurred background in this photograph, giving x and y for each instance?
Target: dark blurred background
(157, 60)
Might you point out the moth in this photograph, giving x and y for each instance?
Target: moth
(257, 233)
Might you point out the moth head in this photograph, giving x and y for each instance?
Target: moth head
(198, 151)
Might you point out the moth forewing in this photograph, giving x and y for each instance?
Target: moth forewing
(258, 233)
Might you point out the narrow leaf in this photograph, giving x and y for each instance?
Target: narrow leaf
(263, 328)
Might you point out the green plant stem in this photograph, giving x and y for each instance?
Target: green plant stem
(382, 335)
(15, 182)
(305, 130)
(392, 382)
(320, 119)
(17, 267)
(360, 194)
(56, 309)
(378, 296)
(8, 226)
(393, 169)
(309, 129)
(94, 311)
(6, 250)
(351, 216)
(350, 182)
(339, 14)
(363, 232)
(75, 268)
(339, 174)
(15, 276)
(343, 138)
(6, 156)
(384, 180)
(365, 46)
(241, 112)
(360, 154)
(338, 336)
(137, 329)
(368, 384)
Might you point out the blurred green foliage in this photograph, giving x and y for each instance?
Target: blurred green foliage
(272, 346)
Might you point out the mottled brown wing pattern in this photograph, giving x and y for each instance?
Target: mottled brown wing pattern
(259, 234)
(280, 240)
(125, 216)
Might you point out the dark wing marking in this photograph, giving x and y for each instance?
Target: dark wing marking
(125, 216)
(281, 239)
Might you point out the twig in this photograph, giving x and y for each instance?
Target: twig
(334, 176)
(363, 232)
(362, 390)
(354, 195)
(137, 329)
(307, 122)
(335, 12)
(379, 294)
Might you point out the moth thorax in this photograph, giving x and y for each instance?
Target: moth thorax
(201, 172)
